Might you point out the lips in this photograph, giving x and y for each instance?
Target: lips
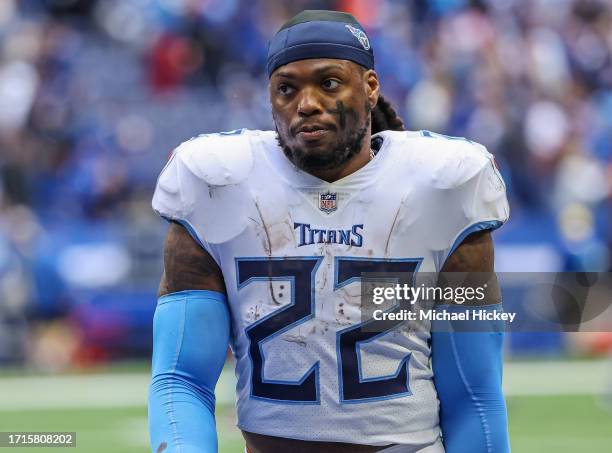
(312, 131)
(312, 135)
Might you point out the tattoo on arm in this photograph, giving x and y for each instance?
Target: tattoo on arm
(475, 257)
(475, 254)
(187, 265)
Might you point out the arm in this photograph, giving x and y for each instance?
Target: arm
(468, 365)
(190, 338)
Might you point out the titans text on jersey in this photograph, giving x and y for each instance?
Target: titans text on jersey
(310, 235)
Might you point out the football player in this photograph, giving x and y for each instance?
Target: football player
(270, 232)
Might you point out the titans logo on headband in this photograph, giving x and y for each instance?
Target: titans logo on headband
(360, 35)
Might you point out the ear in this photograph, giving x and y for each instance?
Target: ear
(372, 85)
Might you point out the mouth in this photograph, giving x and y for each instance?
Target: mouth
(312, 132)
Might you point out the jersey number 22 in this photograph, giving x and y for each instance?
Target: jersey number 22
(301, 273)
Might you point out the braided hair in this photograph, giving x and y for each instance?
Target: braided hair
(384, 117)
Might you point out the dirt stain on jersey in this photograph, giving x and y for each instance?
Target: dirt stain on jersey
(267, 243)
(393, 226)
(298, 339)
(350, 298)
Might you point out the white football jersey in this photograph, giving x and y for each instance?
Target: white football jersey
(292, 249)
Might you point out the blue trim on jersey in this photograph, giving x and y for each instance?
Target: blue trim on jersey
(387, 376)
(430, 134)
(402, 363)
(190, 229)
(220, 134)
(478, 226)
(314, 368)
(291, 281)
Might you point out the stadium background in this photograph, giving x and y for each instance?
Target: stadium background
(95, 94)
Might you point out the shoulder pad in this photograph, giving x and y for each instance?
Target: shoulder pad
(202, 185)
(218, 159)
(448, 162)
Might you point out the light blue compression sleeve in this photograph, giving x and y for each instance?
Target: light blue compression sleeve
(190, 340)
(467, 369)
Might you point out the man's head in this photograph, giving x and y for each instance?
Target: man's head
(322, 89)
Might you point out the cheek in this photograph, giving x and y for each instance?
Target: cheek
(355, 115)
(281, 119)
(282, 129)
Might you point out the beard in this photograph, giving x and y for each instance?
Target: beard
(341, 152)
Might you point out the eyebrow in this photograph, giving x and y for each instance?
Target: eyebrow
(317, 71)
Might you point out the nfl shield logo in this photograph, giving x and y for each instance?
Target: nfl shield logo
(327, 202)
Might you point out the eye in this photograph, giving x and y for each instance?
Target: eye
(284, 89)
(330, 84)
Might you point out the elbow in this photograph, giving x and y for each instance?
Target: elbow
(474, 422)
(181, 416)
(170, 388)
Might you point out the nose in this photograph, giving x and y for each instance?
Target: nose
(309, 103)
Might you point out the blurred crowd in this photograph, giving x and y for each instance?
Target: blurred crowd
(95, 94)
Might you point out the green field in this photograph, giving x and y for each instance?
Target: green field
(106, 430)
(560, 411)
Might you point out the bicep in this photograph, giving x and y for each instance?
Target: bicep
(474, 260)
(475, 254)
(187, 266)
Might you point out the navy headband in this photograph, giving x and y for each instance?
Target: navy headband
(320, 34)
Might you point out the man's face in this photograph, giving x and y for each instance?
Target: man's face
(321, 108)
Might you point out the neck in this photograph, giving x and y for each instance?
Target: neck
(351, 166)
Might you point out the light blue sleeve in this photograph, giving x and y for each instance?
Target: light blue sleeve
(190, 341)
(467, 369)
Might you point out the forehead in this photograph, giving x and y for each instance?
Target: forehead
(316, 66)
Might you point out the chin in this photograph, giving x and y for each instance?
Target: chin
(315, 152)
(311, 154)
(315, 148)
(324, 142)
